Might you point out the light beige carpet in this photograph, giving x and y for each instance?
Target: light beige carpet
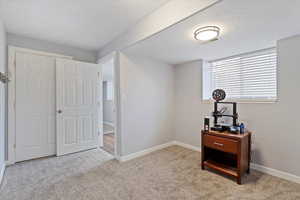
(170, 174)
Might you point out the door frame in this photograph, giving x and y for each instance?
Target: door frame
(116, 102)
(11, 114)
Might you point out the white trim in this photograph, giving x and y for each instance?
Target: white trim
(117, 103)
(275, 172)
(2, 173)
(246, 54)
(12, 50)
(243, 99)
(266, 170)
(144, 152)
(8, 163)
(41, 53)
(118, 158)
(106, 153)
(187, 146)
(253, 101)
(109, 123)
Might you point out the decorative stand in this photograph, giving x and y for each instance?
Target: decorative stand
(216, 113)
(226, 152)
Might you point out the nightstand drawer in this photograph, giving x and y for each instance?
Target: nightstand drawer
(222, 144)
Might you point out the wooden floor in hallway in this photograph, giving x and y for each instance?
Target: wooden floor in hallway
(109, 143)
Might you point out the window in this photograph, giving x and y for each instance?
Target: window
(247, 77)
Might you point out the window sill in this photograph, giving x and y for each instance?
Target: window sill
(244, 101)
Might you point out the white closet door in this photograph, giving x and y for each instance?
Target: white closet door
(77, 93)
(35, 106)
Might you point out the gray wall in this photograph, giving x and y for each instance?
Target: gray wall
(3, 59)
(276, 140)
(77, 53)
(147, 94)
(189, 109)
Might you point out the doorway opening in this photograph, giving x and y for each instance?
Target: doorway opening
(108, 88)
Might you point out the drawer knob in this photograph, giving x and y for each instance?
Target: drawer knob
(219, 144)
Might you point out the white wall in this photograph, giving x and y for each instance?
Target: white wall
(276, 137)
(167, 15)
(147, 94)
(3, 59)
(30, 43)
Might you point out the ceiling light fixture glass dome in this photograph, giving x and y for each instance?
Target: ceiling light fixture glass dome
(207, 33)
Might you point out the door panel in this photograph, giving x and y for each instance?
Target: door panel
(35, 106)
(70, 130)
(77, 96)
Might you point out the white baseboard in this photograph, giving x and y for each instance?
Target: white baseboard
(118, 158)
(275, 172)
(188, 146)
(2, 173)
(144, 152)
(8, 163)
(108, 132)
(109, 123)
(266, 170)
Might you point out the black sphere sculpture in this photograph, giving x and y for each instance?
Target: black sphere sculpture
(218, 95)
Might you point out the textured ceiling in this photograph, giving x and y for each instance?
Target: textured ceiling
(245, 26)
(86, 24)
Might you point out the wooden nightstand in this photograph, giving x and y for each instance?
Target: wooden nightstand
(226, 152)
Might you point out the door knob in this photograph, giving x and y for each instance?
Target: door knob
(59, 111)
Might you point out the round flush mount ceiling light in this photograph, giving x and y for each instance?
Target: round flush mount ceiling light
(207, 33)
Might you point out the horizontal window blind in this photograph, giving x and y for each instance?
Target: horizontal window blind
(249, 76)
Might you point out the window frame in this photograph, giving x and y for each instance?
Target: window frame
(206, 64)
